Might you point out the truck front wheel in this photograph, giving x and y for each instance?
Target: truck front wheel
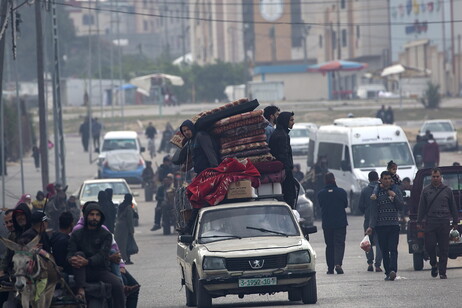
(418, 261)
(203, 299)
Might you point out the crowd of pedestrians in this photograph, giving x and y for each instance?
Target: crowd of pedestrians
(91, 243)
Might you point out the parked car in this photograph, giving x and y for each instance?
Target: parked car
(124, 164)
(452, 177)
(300, 137)
(443, 132)
(254, 247)
(89, 190)
(305, 208)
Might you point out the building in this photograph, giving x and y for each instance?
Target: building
(426, 35)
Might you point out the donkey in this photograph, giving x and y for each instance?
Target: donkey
(35, 272)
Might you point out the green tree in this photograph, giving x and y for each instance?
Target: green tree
(432, 97)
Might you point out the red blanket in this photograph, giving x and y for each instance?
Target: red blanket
(211, 185)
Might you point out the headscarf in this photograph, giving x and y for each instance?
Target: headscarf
(128, 200)
(102, 197)
(109, 193)
(51, 190)
(21, 208)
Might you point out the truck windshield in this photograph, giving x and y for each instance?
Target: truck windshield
(226, 224)
(379, 154)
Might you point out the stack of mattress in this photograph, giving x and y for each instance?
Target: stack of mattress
(243, 136)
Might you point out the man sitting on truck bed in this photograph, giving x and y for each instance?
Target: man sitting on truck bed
(437, 206)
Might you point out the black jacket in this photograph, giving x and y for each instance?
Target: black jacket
(109, 210)
(95, 244)
(365, 202)
(333, 202)
(204, 149)
(59, 244)
(279, 142)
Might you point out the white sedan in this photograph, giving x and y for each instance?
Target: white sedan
(90, 188)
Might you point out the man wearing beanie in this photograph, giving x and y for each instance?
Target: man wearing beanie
(88, 254)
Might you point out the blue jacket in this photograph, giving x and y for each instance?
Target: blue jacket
(333, 201)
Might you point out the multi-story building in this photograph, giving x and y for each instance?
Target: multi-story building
(426, 35)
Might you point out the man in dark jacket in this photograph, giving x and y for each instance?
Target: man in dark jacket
(431, 153)
(161, 196)
(88, 254)
(108, 209)
(365, 204)
(437, 206)
(384, 220)
(202, 147)
(21, 223)
(39, 224)
(333, 202)
(280, 148)
(60, 241)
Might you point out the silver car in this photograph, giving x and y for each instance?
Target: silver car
(443, 132)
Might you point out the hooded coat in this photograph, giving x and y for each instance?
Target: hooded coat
(95, 244)
(203, 148)
(108, 208)
(124, 226)
(280, 148)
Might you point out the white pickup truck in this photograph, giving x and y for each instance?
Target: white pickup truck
(254, 247)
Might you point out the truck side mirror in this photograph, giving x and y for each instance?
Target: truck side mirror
(345, 165)
(186, 239)
(142, 149)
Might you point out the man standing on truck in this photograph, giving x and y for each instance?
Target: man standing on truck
(384, 220)
(271, 114)
(280, 148)
(437, 206)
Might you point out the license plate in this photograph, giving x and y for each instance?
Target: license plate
(257, 282)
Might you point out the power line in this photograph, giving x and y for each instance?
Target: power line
(251, 22)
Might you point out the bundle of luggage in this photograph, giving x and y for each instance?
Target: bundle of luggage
(239, 131)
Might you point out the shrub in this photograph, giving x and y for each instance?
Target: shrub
(432, 97)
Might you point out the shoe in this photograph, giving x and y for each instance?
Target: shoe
(392, 275)
(370, 268)
(155, 227)
(387, 278)
(443, 276)
(338, 269)
(330, 272)
(434, 271)
(378, 269)
(129, 262)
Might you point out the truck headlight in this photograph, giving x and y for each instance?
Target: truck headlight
(298, 257)
(213, 263)
(362, 183)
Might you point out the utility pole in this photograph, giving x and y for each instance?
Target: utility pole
(98, 51)
(41, 96)
(339, 47)
(3, 16)
(111, 61)
(183, 30)
(272, 35)
(58, 106)
(119, 50)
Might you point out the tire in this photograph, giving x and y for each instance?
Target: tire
(309, 292)
(295, 295)
(166, 229)
(203, 299)
(418, 261)
(190, 298)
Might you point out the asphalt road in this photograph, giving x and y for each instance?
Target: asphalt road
(157, 270)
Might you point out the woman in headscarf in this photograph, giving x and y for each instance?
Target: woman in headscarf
(108, 209)
(124, 228)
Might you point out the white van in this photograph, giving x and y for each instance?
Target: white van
(119, 140)
(356, 146)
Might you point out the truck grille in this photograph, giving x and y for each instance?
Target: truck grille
(256, 263)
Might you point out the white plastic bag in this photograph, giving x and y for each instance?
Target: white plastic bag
(366, 244)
